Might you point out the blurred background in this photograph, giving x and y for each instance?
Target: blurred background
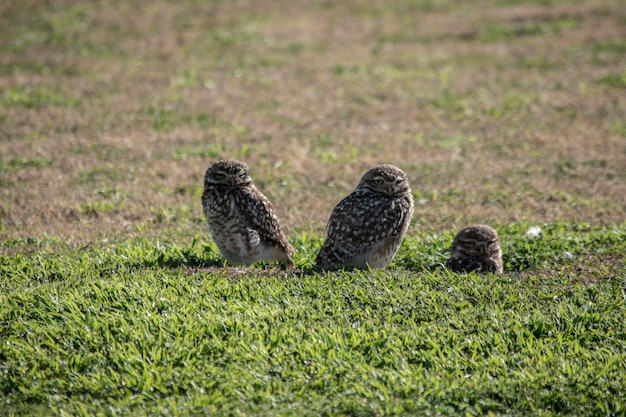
(500, 111)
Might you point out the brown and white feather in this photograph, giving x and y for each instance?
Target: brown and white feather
(240, 219)
(476, 248)
(366, 228)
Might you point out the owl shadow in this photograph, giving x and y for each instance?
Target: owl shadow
(189, 262)
(321, 270)
(178, 263)
(182, 257)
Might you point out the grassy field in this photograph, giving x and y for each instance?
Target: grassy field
(114, 300)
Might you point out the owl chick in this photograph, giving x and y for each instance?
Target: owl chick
(476, 248)
(366, 228)
(240, 218)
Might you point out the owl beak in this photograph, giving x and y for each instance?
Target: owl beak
(398, 188)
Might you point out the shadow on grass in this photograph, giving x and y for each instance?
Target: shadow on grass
(206, 258)
(181, 259)
(147, 255)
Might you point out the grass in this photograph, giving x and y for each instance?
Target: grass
(113, 300)
(145, 328)
(614, 80)
(498, 32)
(18, 164)
(30, 97)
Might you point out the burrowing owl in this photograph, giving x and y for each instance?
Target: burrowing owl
(240, 218)
(366, 228)
(476, 248)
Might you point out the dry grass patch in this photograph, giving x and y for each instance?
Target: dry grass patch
(498, 112)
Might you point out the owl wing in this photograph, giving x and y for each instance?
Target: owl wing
(260, 221)
(357, 223)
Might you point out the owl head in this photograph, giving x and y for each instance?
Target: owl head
(385, 179)
(227, 173)
(476, 241)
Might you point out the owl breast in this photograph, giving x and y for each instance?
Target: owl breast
(235, 242)
(243, 228)
(379, 256)
(365, 230)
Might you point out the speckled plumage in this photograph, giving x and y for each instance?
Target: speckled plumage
(240, 218)
(366, 228)
(476, 248)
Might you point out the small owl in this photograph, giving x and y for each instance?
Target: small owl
(240, 218)
(476, 248)
(366, 228)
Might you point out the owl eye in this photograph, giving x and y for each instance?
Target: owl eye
(377, 182)
(219, 175)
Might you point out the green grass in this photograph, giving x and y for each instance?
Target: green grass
(497, 32)
(30, 96)
(95, 207)
(150, 328)
(614, 80)
(18, 164)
